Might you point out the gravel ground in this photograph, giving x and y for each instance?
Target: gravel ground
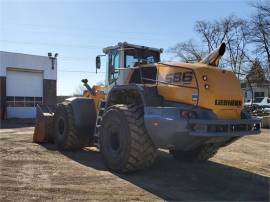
(33, 172)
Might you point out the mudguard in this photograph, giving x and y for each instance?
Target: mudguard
(84, 115)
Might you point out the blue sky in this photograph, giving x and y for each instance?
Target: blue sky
(78, 30)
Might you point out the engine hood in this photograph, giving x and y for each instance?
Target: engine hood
(201, 85)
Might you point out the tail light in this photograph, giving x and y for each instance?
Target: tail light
(188, 114)
(206, 86)
(204, 77)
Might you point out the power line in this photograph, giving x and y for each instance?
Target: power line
(88, 59)
(80, 71)
(87, 30)
(53, 44)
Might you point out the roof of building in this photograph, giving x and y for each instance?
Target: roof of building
(8, 52)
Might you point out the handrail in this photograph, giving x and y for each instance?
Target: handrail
(193, 72)
(164, 82)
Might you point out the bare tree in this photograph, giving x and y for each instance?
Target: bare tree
(79, 90)
(236, 40)
(231, 30)
(260, 31)
(187, 52)
(239, 35)
(212, 33)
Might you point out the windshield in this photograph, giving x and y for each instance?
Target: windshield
(134, 57)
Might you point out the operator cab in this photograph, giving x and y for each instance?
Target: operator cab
(124, 57)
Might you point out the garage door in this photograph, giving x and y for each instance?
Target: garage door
(24, 92)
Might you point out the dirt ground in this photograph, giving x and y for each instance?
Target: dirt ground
(33, 172)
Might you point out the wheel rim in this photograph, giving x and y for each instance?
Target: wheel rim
(114, 141)
(61, 126)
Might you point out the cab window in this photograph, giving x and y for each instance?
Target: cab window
(131, 60)
(134, 57)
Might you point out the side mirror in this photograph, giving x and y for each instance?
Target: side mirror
(98, 63)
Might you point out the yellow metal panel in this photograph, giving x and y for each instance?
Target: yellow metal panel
(223, 85)
(100, 95)
(179, 90)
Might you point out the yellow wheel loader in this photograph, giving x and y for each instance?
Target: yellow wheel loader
(190, 109)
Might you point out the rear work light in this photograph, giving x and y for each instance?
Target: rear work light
(204, 77)
(206, 86)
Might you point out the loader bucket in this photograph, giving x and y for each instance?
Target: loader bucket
(44, 124)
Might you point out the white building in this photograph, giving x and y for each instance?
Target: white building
(259, 90)
(25, 81)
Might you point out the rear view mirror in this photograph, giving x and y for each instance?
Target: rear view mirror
(98, 63)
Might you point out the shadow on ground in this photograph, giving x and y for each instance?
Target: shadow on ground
(173, 180)
(16, 123)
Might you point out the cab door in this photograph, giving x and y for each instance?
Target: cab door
(113, 66)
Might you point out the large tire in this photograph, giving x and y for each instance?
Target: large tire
(65, 133)
(203, 153)
(124, 141)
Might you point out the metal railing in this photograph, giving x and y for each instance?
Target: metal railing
(174, 84)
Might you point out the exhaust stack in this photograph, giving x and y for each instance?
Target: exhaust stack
(214, 57)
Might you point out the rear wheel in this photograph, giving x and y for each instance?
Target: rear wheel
(65, 133)
(124, 141)
(203, 153)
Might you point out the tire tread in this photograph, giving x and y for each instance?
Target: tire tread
(142, 152)
(72, 140)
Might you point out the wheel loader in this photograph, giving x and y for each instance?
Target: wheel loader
(190, 109)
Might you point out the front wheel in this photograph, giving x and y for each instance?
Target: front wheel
(124, 141)
(65, 132)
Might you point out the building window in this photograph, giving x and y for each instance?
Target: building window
(19, 101)
(29, 101)
(258, 94)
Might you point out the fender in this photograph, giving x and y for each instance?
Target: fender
(84, 113)
(118, 94)
(142, 94)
